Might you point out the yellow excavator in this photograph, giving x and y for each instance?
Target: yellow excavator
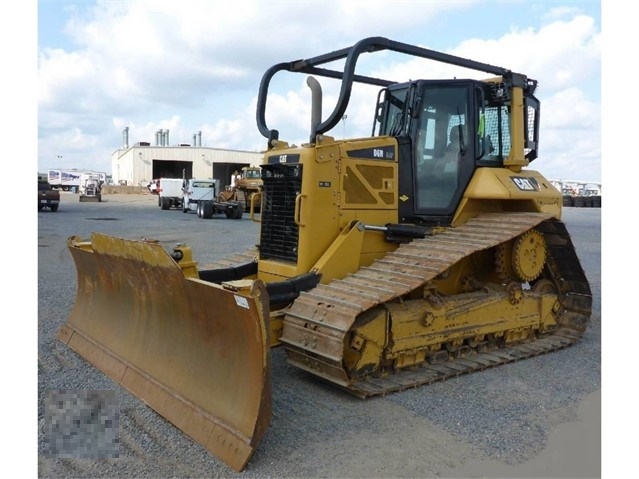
(425, 251)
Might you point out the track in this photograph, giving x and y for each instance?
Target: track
(430, 373)
(317, 323)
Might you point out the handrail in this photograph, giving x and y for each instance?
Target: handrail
(348, 77)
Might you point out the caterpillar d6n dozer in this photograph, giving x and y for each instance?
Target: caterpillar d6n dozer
(424, 251)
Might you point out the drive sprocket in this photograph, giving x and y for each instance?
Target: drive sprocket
(529, 255)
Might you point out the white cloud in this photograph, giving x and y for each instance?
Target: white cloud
(196, 66)
(558, 55)
(570, 108)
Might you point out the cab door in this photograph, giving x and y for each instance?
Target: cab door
(442, 157)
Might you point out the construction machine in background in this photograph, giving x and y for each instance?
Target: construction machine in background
(246, 188)
(424, 251)
(90, 188)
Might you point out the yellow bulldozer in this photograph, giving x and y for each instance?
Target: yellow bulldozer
(246, 188)
(425, 251)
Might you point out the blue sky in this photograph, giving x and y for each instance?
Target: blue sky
(194, 66)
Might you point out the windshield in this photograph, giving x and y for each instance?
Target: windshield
(202, 184)
(252, 174)
(393, 120)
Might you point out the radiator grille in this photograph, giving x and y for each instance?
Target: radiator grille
(279, 233)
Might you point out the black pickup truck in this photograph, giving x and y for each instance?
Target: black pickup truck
(47, 197)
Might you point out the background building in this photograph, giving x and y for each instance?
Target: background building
(143, 162)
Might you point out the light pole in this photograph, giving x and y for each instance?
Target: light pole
(344, 124)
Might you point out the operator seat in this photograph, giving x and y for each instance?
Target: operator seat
(449, 161)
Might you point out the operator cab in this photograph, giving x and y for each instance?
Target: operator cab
(252, 173)
(445, 130)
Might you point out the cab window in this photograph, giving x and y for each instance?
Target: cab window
(442, 141)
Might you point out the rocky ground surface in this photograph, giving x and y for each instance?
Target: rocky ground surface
(535, 418)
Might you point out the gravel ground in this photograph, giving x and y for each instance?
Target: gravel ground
(535, 418)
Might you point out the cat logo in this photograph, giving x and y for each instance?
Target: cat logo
(525, 184)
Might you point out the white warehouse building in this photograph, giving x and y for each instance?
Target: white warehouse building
(142, 162)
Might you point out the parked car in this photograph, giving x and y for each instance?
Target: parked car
(48, 197)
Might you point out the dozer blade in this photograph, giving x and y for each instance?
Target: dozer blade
(195, 352)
